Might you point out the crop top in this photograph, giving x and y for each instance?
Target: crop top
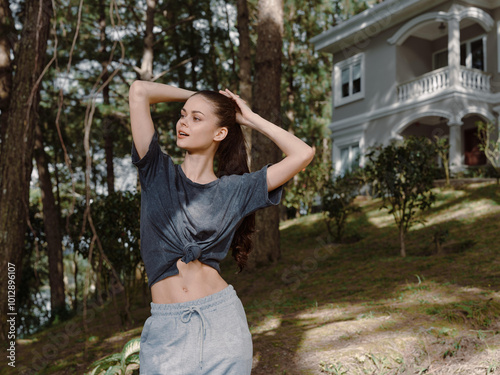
(182, 219)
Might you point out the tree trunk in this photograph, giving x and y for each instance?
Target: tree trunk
(245, 66)
(146, 70)
(6, 31)
(267, 103)
(107, 123)
(75, 278)
(52, 227)
(402, 240)
(17, 146)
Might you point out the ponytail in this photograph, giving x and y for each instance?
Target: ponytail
(231, 158)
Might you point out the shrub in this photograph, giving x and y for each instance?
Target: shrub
(403, 174)
(122, 363)
(338, 202)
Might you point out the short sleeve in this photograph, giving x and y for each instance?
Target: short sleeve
(254, 194)
(150, 163)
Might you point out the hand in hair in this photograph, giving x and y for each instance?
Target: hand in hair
(298, 154)
(244, 116)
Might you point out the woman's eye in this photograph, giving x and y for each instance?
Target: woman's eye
(196, 118)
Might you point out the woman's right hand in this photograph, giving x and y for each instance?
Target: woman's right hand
(244, 117)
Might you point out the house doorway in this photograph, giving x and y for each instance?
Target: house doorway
(473, 156)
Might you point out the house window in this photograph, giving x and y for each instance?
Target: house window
(349, 80)
(472, 55)
(349, 158)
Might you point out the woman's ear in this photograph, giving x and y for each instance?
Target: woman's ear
(221, 134)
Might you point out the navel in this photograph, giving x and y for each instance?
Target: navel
(185, 290)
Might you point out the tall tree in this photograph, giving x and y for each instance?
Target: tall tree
(146, 70)
(244, 52)
(52, 227)
(245, 63)
(17, 145)
(267, 103)
(6, 33)
(107, 118)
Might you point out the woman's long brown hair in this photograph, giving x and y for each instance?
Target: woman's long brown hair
(231, 158)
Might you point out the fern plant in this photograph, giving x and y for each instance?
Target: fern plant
(119, 363)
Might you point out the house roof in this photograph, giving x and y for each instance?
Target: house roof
(373, 21)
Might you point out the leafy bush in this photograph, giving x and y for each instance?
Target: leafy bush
(123, 363)
(403, 174)
(338, 202)
(489, 138)
(442, 146)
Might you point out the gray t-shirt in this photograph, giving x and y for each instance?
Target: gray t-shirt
(182, 219)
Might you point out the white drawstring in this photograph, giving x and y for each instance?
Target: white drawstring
(186, 317)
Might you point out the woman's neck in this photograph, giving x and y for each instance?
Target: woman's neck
(199, 168)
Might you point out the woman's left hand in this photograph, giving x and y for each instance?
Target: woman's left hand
(243, 118)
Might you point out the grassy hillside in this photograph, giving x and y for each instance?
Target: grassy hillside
(351, 308)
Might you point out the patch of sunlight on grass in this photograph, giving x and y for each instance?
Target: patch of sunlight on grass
(414, 299)
(465, 212)
(323, 312)
(303, 220)
(337, 334)
(267, 325)
(444, 196)
(26, 341)
(380, 218)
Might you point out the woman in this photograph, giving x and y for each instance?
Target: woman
(191, 217)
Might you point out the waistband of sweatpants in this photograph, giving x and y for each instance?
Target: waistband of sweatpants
(225, 295)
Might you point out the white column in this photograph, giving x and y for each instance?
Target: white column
(455, 153)
(454, 50)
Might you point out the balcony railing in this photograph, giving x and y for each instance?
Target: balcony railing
(475, 79)
(438, 80)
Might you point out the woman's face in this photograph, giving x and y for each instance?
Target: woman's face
(197, 128)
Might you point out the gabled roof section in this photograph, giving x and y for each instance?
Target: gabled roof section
(369, 23)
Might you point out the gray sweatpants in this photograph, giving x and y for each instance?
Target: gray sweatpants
(209, 335)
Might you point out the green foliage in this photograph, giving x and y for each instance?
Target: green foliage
(122, 363)
(31, 303)
(442, 146)
(333, 368)
(403, 176)
(489, 138)
(439, 237)
(338, 202)
(305, 85)
(116, 219)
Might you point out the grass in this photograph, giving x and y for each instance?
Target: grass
(351, 308)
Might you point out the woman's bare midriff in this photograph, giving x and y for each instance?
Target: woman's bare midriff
(195, 280)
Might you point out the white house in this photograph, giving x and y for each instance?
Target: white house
(414, 67)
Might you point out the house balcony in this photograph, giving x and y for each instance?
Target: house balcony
(432, 83)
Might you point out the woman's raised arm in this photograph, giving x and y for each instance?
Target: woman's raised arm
(141, 95)
(298, 153)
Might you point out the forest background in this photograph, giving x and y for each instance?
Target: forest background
(69, 211)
